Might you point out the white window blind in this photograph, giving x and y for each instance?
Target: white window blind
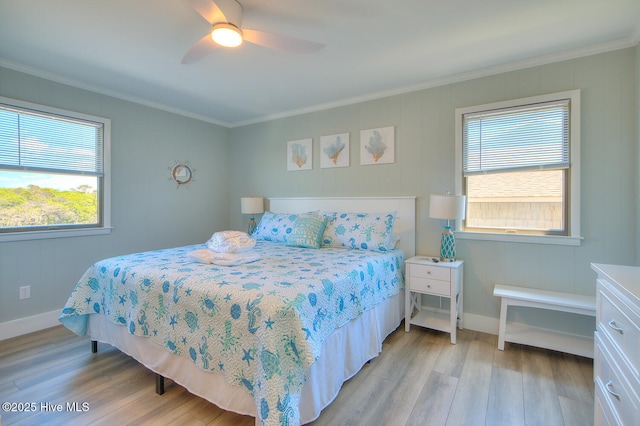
(526, 137)
(50, 143)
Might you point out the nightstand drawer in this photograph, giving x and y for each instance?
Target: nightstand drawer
(429, 271)
(426, 285)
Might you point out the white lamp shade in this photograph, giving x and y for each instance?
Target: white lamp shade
(251, 205)
(450, 207)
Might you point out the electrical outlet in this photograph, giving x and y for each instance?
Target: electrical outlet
(25, 292)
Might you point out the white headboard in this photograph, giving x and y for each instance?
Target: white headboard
(404, 225)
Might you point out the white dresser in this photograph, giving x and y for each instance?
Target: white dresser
(616, 367)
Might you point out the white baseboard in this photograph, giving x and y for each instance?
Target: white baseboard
(30, 324)
(481, 323)
(532, 336)
(473, 322)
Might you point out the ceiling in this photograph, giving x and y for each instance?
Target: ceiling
(132, 49)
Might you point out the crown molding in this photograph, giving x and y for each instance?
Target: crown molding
(635, 35)
(457, 78)
(112, 93)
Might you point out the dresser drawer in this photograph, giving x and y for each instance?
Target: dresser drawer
(614, 389)
(426, 285)
(429, 271)
(604, 412)
(617, 320)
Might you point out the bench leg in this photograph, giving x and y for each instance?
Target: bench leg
(503, 323)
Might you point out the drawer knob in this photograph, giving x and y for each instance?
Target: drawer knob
(609, 387)
(614, 326)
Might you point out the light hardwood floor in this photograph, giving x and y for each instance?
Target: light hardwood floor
(419, 379)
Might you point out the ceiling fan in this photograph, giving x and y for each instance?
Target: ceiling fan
(225, 16)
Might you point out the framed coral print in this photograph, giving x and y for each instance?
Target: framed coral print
(334, 150)
(299, 154)
(377, 146)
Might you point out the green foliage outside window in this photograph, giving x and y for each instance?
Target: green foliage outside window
(35, 206)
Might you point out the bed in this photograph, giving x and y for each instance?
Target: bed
(274, 338)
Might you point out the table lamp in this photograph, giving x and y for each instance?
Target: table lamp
(449, 207)
(252, 206)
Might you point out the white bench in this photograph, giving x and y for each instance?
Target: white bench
(544, 338)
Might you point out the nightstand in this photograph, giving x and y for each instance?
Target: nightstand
(443, 279)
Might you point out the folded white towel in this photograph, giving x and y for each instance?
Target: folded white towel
(223, 259)
(201, 256)
(230, 242)
(225, 235)
(233, 259)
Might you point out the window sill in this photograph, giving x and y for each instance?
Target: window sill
(44, 235)
(520, 238)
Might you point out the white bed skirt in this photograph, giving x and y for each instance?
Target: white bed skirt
(343, 354)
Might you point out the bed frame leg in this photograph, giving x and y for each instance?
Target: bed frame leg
(159, 384)
(94, 346)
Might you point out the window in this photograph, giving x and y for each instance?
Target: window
(54, 172)
(518, 165)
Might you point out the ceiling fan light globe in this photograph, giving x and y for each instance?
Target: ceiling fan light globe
(226, 35)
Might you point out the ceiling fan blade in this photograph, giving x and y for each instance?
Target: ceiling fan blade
(280, 42)
(199, 50)
(208, 10)
(215, 11)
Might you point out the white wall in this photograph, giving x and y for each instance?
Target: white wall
(148, 212)
(424, 164)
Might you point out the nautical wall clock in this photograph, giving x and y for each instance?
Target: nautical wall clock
(182, 173)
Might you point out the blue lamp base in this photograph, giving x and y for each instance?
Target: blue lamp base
(447, 245)
(252, 226)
